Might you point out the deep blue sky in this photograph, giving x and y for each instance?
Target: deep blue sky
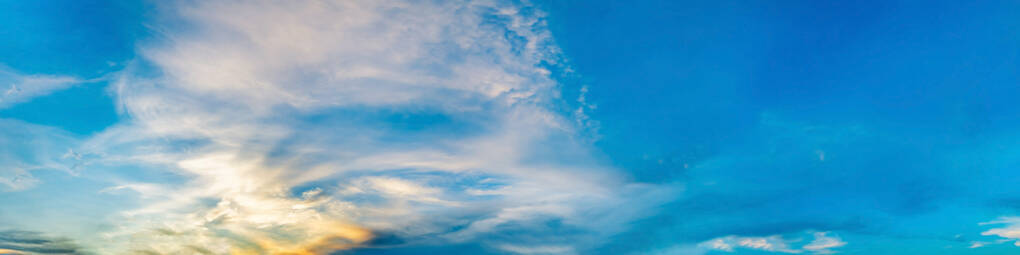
(726, 127)
(910, 102)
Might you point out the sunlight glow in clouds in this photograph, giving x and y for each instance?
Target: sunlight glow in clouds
(396, 127)
(389, 127)
(270, 111)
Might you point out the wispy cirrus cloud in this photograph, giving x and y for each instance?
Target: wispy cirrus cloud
(28, 148)
(313, 126)
(18, 88)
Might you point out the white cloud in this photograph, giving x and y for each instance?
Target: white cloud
(18, 88)
(1010, 231)
(581, 114)
(979, 244)
(250, 105)
(683, 249)
(321, 53)
(27, 148)
(769, 243)
(822, 243)
(538, 249)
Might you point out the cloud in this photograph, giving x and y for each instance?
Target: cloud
(27, 242)
(540, 249)
(821, 244)
(770, 243)
(1010, 231)
(979, 244)
(27, 148)
(306, 127)
(19, 88)
(383, 53)
(683, 249)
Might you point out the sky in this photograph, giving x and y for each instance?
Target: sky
(509, 127)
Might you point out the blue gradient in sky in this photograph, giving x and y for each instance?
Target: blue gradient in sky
(910, 102)
(727, 127)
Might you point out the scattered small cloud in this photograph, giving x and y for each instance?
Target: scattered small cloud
(1009, 230)
(769, 243)
(538, 249)
(979, 244)
(822, 243)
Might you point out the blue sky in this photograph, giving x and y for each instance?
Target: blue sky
(494, 127)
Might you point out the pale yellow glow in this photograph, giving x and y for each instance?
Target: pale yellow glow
(11, 252)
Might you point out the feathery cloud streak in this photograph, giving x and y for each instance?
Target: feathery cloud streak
(297, 126)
